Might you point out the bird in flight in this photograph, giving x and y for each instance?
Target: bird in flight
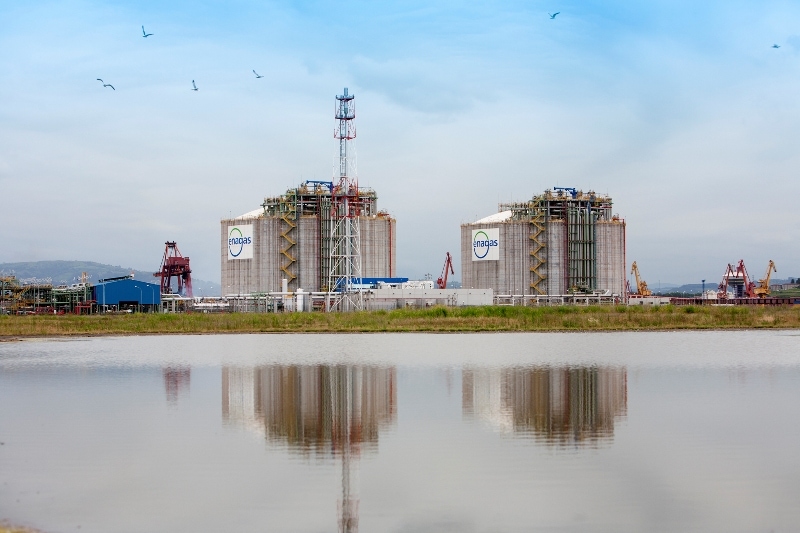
(108, 85)
(145, 34)
(195, 86)
(554, 15)
(257, 74)
(776, 46)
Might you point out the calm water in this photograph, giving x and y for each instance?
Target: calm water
(400, 433)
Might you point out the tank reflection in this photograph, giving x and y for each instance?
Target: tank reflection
(176, 382)
(557, 406)
(318, 410)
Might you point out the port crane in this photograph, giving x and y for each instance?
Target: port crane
(762, 289)
(175, 264)
(641, 285)
(738, 281)
(447, 269)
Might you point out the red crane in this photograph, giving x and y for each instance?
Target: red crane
(174, 264)
(448, 269)
(738, 280)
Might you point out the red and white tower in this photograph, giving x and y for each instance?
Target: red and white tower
(344, 261)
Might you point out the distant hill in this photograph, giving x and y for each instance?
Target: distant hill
(689, 289)
(66, 272)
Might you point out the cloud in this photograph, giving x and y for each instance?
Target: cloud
(414, 84)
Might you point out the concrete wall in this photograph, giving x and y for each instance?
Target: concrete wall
(378, 247)
(508, 275)
(611, 256)
(263, 272)
(511, 273)
(556, 258)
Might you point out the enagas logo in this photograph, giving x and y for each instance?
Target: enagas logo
(485, 244)
(240, 242)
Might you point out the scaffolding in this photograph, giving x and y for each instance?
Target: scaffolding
(316, 200)
(289, 218)
(36, 296)
(10, 294)
(538, 253)
(563, 239)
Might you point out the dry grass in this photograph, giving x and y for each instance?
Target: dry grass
(435, 319)
(8, 528)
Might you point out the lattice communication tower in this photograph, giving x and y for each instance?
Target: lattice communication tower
(344, 258)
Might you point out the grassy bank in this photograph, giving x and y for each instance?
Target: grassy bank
(437, 319)
(8, 528)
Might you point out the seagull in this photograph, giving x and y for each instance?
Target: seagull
(554, 15)
(145, 34)
(257, 74)
(776, 46)
(195, 86)
(108, 85)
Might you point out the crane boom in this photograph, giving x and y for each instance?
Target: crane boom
(738, 280)
(447, 269)
(641, 285)
(762, 290)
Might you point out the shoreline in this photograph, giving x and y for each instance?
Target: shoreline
(489, 319)
(76, 336)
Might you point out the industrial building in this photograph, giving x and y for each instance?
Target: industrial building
(112, 294)
(126, 293)
(561, 242)
(290, 238)
(319, 236)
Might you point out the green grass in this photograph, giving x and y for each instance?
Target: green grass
(434, 319)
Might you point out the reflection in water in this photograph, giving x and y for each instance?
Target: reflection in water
(557, 405)
(176, 381)
(325, 410)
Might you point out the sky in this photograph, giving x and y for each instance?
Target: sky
(683, 112)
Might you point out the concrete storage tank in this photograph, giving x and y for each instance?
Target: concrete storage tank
(561, 242)
(289, 237)
(322, 236)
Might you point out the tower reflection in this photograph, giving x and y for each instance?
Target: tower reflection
(176, 382)
(317, 410)
(558, 406)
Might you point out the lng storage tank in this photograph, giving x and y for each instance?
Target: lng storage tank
(291, 238)
(563, 241)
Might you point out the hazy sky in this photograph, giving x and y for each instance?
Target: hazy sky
(681, 111)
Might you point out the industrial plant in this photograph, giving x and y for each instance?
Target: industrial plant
(327, 246)
(562, 244)
(120, 294)
(321, 236)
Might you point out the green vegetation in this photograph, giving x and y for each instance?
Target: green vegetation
(434, 319)
(788, 293)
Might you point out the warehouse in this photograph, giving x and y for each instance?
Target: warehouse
(561, 242)
(127, 294)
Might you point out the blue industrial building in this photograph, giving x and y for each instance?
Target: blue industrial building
(127, 293)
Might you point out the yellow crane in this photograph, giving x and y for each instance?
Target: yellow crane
(762, 289)
(641, 286)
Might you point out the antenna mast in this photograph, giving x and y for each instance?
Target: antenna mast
(344, 275)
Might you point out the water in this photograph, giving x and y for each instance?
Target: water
(692, 431)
